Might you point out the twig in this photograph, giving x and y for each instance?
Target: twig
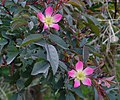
(7, 10)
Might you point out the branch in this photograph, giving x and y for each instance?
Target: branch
(115, 5)
(8, 12)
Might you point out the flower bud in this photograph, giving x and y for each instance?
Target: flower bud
(114, 39)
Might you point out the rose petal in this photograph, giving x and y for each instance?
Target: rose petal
(55, 26)
(41, 16)
(86, 81)
(57, 18)
(88, 70)
(45, 26)
(76, 83)
(48, 11)
(72, 73)
(79, 66)
(109, 78)
(107, 84)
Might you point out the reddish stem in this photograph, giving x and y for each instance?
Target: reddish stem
(13, 68)
(3, 2)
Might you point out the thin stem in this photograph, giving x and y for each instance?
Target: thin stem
(7, 10)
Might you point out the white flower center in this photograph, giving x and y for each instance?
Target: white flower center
(49, 20)
(80, 75)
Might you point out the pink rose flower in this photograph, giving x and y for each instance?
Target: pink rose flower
(81, 75)
(49, 19)
(106, 81)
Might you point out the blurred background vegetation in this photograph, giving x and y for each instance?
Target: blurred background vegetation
(96, 23)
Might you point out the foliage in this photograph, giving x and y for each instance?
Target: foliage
(36, 61)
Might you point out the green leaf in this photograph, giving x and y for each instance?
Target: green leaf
(5, 71)
(94, 52)
(14, 96)
(28, 81)
(31, 38)
(92, 25)
(76, 3)
(17, 96)
(52, 57)
(23, 4)
(16, 1)
(15, 77)
(85, 53)
(18, 23)
(20, 96)
(11, 56)
(41, 43)
(95, 29)
(93, 19)
(97, 54)
(40, 67)
(78, 92)
(3, 41)
(83, 42)
(70, 96)
(59, 84)
(12, 53)
(34, 8)
(30, 25)
(62, 95)
(63, 66)
(20, 83)
(59, 41)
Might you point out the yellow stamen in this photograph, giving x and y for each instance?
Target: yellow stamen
(49, 20)
(80, 75)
